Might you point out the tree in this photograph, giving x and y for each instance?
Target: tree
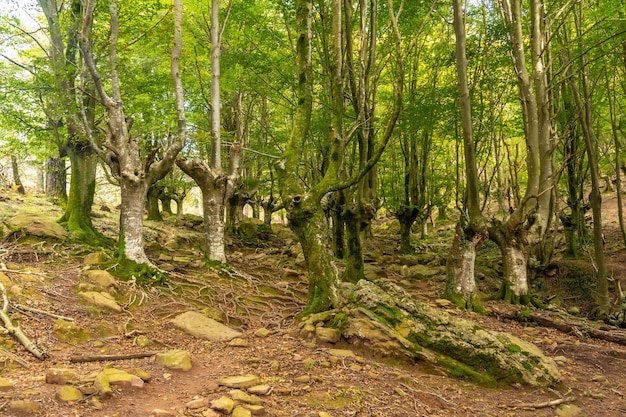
(215, 184)
(120, 149)
(303, 204)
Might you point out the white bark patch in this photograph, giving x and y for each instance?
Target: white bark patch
(466, 283)
(517, 271)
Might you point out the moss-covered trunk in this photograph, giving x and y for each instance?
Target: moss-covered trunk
(354, 254)
(312, 229)
(55, 181)
(154, 213)
(77, 216)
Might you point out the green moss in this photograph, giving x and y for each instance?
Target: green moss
(390, 315)
(463, 371)
(143, 274)
(339, 322)
(513, 348)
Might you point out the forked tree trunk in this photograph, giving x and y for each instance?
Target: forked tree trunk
(354, 253)
(460, 280)
(154, 213)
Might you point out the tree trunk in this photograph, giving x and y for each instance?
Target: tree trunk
(133, 195)
(154, 213)
(311, 228)
(354, 254)
(77, 215)
(460, 279)
(55, 180)
(406, 217)
(515, 266)
(17, 181)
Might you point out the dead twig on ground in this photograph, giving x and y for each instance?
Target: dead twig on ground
(98, 358)
(24, 308)
(545, 404)
(16, 332)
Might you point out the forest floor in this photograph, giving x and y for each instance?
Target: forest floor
(265, 287)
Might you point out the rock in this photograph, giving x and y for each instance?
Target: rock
(262, 332)
(327, 335)
(61, 376)
(69, 331)
(38, 225)
(95, 258)
(244, 397)
(242, 381)
(574, 311)
(101, 299)
(102, 279)
(303, 379)
(5, 385)
(323, 414)
(159, 412)
(142, 341)
(175, 359)
(197, 403)
(69, 393)
(112, 376)
(241, 412)
(5, 280)
(255, 410)
(145, 376)
(598, 378)
(568, 410)
(25, 406)
(341, 353)
(223, 405)
(201, 326)
(238, 342)
(259, 389)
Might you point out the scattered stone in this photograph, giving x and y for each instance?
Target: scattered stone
(341, 353)
(112, 376)
(201, 326)
(561, 360)
(241, 412)
(274, 365)
(101, 299)
(61, 376)
(260, 389)
(25, 406)
(256, 410)
(323, 414)
(598, 378)
(212, 386)
(197, 403)
(69, 393)
(326, 335)
(5, 280)
(238, 342)
(262, 332)
(310, 345)
(95, 403)
(5, 385)
(244, 397)
(102, 279)
(98, 344)
(223, 405)
(175, 359)
(88, 389)
(145, 376)
(400, 392)
(38, 225)
(142, 341)
(568, 410)
(159, 412)
(355, 367)
(574, 311)
(242, 381)
(304, 379)
(95, 258)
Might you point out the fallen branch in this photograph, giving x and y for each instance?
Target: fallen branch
(565, 324)
(16, 332)
(24, 308)
(546, 404)
(97, 358)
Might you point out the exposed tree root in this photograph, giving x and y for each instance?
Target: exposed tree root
(97, 358)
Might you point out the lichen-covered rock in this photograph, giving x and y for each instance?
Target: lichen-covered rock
(175, 359)
(5, 385)
(244, 397)
(101, 299)
(95, 258)
(199, 325)
(40, 225)
(68, 394)
(223, 405)
(25, 406)
(386, 319)
(102, 279)
(241, 381)
(241, 412)
(112, 376)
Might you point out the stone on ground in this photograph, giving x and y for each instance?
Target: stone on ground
(69, 393)
(102, 279)
(5, 385)
(203, 327)
(242, 381)
(101, 299)
(223, 405)
(112, 376)
(61, 376)
(175, 359)
(244, 397)
(241, 412)
(38, 225)
(25, 406)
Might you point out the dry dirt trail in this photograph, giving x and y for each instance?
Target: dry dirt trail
(264, 288)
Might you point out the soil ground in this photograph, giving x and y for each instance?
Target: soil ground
(266, 287)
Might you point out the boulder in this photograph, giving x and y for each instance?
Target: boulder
(36, 224)
(68, 394)
(102, 279)
(175, 359)
(101, 299)
(61, 376)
